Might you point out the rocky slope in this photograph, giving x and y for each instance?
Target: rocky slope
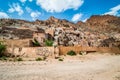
(96, 31)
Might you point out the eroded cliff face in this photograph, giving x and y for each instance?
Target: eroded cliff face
(106, 27)
(97, 31)
(14, 33)
(105, 23)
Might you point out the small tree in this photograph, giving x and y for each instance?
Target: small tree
(2, 49)
(48, 42)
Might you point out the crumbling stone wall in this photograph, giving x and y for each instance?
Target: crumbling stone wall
(56, 51)
(31, 51)
(114, 50)
(63, 50)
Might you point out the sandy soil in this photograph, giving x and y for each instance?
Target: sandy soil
(88, 67)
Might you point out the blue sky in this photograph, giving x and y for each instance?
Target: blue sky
(72, 10)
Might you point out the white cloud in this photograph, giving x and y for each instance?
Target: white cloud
(114, 11)
(59, 5)
(35, 15)
(3, 15)
(28, 9)
(85, 20)
(16, 8)
(11, 10)
(23, 1)
(30, 0)
(77, 17)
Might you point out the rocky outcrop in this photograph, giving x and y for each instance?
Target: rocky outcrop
(105, 23)
(14, 33)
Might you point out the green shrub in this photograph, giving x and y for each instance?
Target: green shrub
(60, 59)
(2, 49)
(39, 59)
(19, 59)
(48, 42)
(35, 43)
(71, 53)
(3, 58)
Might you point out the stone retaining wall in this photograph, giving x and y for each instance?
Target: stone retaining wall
(61, 50)
(31, 51)
(115, 50)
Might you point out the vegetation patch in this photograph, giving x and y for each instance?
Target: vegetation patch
(3, 58)
(71, 53)
(48, 42)
(39, 59)
(60, 59)
(19, 59)
(35, 43)
(2, 49)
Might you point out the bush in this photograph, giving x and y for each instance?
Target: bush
(39, 59)
(48, 42)
(35, 43)
(71, 53)
(19, 59)
(3, 58)
(2, 49)
(60, 59)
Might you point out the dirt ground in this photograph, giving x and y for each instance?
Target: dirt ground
(87, 67)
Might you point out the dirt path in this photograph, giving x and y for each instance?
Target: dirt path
(97, 68)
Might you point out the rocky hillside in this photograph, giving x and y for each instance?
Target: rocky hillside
(96, 31)
(105, 23)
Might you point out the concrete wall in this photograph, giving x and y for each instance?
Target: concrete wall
(31, 51)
